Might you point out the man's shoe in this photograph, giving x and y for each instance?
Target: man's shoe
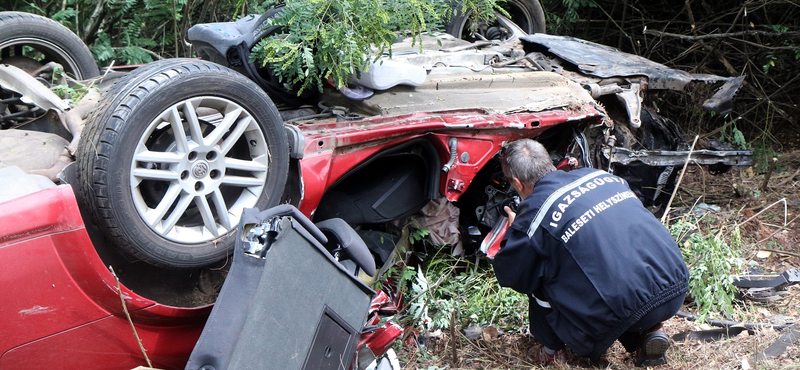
(653, 348)
(540, 357)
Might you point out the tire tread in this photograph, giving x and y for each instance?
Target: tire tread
(16, 24)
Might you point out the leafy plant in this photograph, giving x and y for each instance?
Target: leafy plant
(481, 11)
(419, 309)
(324, 40)
(731, 134)
(253, 7)
(418, 234)
(713, 264)
(71, 94)
(332, 40)
(406, 15)
(446, 284)
(562, 14)
(771, 59)
(763, 155)
(65, 16)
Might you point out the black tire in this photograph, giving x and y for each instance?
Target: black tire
(527, 14)
(46, 41)
(157, 195)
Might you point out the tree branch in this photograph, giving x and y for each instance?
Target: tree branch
(767, 47)
(715, 36)
(93, 23)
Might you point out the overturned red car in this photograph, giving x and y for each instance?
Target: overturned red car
(139, 230)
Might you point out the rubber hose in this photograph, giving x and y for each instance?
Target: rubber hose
(453, 154)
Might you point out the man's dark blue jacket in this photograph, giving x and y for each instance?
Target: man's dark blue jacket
(583, 242)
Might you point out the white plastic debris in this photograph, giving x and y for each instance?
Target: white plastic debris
(385, 74)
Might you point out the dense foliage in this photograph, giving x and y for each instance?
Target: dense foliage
(126, 31)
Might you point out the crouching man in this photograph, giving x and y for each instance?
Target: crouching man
(596, 265)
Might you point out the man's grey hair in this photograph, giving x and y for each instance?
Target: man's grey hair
(527, 160)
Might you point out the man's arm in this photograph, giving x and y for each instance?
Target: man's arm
(515, 264)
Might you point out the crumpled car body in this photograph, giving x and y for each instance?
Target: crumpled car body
(60, 304)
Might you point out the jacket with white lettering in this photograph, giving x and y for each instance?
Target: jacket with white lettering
(583, 242)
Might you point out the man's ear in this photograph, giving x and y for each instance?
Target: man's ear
(522, 189)
(516, 183)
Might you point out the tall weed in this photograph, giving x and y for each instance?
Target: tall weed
(713, 265)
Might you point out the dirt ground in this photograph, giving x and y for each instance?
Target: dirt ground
(767, 217)
(513, 351)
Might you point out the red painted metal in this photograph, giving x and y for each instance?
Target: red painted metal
(332, 149)
(381, 339)
(58, 294)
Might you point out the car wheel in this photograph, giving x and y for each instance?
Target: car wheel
(174, 153)
(527, 14)
(28, 40)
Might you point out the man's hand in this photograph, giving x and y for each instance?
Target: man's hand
(511, 215)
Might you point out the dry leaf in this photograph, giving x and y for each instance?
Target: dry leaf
(490, 333)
